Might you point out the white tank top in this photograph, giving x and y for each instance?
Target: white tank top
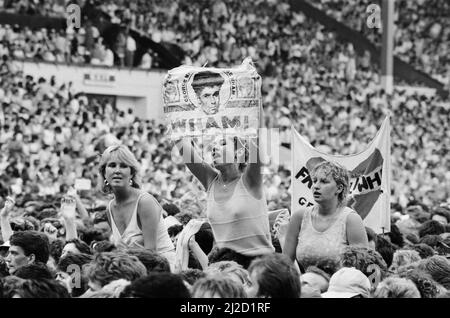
(314, 245)
(133, 237)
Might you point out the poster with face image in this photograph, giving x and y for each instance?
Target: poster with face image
(202, 101)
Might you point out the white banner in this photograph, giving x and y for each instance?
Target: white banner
(370, 175)
(200, 101)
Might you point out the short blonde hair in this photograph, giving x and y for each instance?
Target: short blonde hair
(122, 154)
(339, 174)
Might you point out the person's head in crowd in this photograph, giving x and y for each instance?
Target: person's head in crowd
(227, 254)
(8, 286)
(56, 248)
(364, 259)
(274, 276)
(412, 239)
(441, 215)
(371, 237)
(385, 248)
(205, 238)
(171, 209)
(396, 287)
(431, 227)
(315, 278)
(328, 265)
(438, 267)
(27, 247)
(206, 86)
(3, 268)
(157, 285)
(395, 236)
(348, 282)
(112, 290)
(102, 246)
(423, 281)
(338, 174)
(109, 266)
(71, 265)
(34, 271)
(76, 246)
(232, 270)
(118, 156)
(217, 286)
(431, 240)
(404, 257)
(424, 250)
(90, 235)
(191, 275)
(173, 231)
(184, 217)
(152, 261)
(41, 288)
(101, 223)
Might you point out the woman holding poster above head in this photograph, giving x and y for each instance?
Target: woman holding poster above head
(135, 216)
(236, 204)
(319, 232)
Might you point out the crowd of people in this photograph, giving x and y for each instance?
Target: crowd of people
(421, 35)
(51, 135)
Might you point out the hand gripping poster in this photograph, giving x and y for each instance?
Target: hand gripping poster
(369, 190)
(202, 101)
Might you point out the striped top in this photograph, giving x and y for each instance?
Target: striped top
(133, 237)
(241, 223)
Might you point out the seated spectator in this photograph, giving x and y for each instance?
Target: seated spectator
(27, 247)
(438, 267)
(395, 287)
(157, 285)
(34, 271)
(348, 282)
(424, 283)
(404, 257)
(152, 261)
(274, 276)
(71, 273)
(424, 250)
(217, 286)
(109, 266)
(431, 227)
(366, 260)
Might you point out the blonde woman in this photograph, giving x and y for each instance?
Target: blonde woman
(135, 216)
(321, 231)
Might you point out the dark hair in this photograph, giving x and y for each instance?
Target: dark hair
(175, 229)
(34, 271)
(191, 275)
(371, 235)
(385, 248)
(205, 238)
(56, 248)
(362, 258)
(227, 254)
(90, 235)
(32, 242)
(442, 212)
(152, 261)
(424, 250)
(171, 209)
(431, 240)
(157, 285)
(431, 227)
(218, 286)
(206, 79)
(102, 246)
(276, 276)
(80, 245)
(42, 288)
(76, 261)
(396, 236)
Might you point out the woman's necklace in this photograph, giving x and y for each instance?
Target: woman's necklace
(227, 186)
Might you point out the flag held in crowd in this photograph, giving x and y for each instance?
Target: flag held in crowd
(200, 101)
(369, 189)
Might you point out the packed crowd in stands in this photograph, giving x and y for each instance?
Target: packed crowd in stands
(422, 30)
(51, 135)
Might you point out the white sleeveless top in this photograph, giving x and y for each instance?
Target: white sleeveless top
(241, 222)
(133, 237)
(314, 245)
